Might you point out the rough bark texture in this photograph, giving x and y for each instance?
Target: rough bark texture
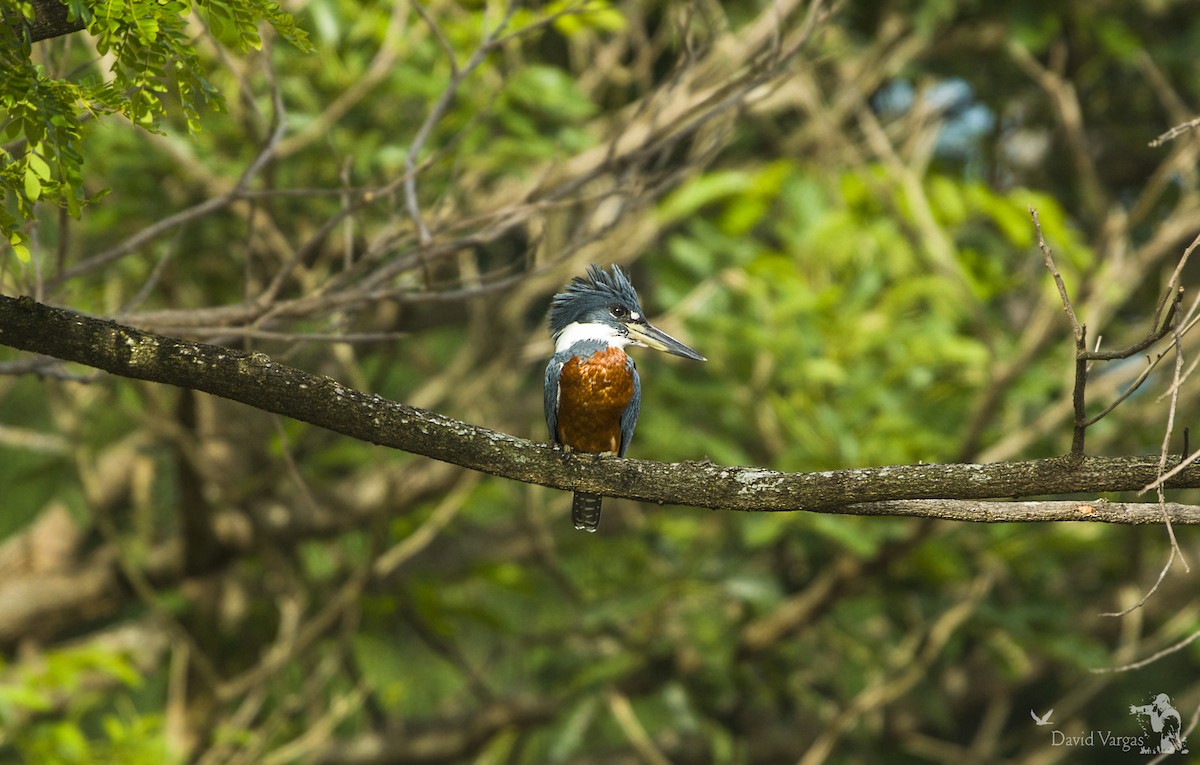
(255, 380)
(50, 19)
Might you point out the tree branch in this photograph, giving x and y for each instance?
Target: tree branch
(451, 740)
(1174, 133)
(253, 379)
(50, 19)
(1171, 300)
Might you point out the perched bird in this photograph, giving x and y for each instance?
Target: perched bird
(592, 391)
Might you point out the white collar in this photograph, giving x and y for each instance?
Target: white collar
(578, 332)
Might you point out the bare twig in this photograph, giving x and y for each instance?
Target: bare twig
(381, 66)
(635, 732)
(1168, 296)
(1161, 326)
(146, 235)
(1167, 476)
(438, 110)
(1166, 443)
(1173, 392)
(1048, 258)
(1175, 132)
(1129, 389)
(914, 658)
(1078, 395)
(1154, 588)
(1069, 112)
(439, 36)
(293, 642)
(1178, 646)
(387, 563)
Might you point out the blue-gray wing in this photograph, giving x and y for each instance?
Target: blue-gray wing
(550, 395)
(630, 415)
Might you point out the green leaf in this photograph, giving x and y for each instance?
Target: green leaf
(25, 697)
(688, 199)
(33, 185)
(17, 242)
(578, 17)
(38, 165)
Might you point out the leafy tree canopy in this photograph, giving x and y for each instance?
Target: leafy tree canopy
(149, 63)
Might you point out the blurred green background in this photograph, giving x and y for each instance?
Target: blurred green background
(828, 201)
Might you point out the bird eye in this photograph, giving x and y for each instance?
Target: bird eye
(619, 312)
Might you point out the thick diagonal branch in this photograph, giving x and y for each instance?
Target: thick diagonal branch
(253, 379)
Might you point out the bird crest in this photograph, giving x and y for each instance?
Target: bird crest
(594, 290)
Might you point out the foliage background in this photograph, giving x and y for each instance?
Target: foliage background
(847, 240)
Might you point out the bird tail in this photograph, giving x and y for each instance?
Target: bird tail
(585, 510)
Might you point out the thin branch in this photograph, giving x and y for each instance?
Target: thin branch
(635, 732)
(382, 65)
(1166, 442)
(1078, 395)
(982, 511)
(1167, 476)
(1187, 459)
(144, 236)
(1170, 301)
(319, 733)
(277, 129)
(1173, 282)
(1188, 323)
(1174, 133)
(215, 332)
(437, 112)
(1129, 390)
(1178, 646)
(1154, 588)
(908, 669)
(387, 563)
(1077, 329)
(443, 43)
(1065, 100)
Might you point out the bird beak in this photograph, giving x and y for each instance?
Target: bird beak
(653, 337)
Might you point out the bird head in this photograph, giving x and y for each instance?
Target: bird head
(603, 306)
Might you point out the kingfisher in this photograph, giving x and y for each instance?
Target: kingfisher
(593, 392)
